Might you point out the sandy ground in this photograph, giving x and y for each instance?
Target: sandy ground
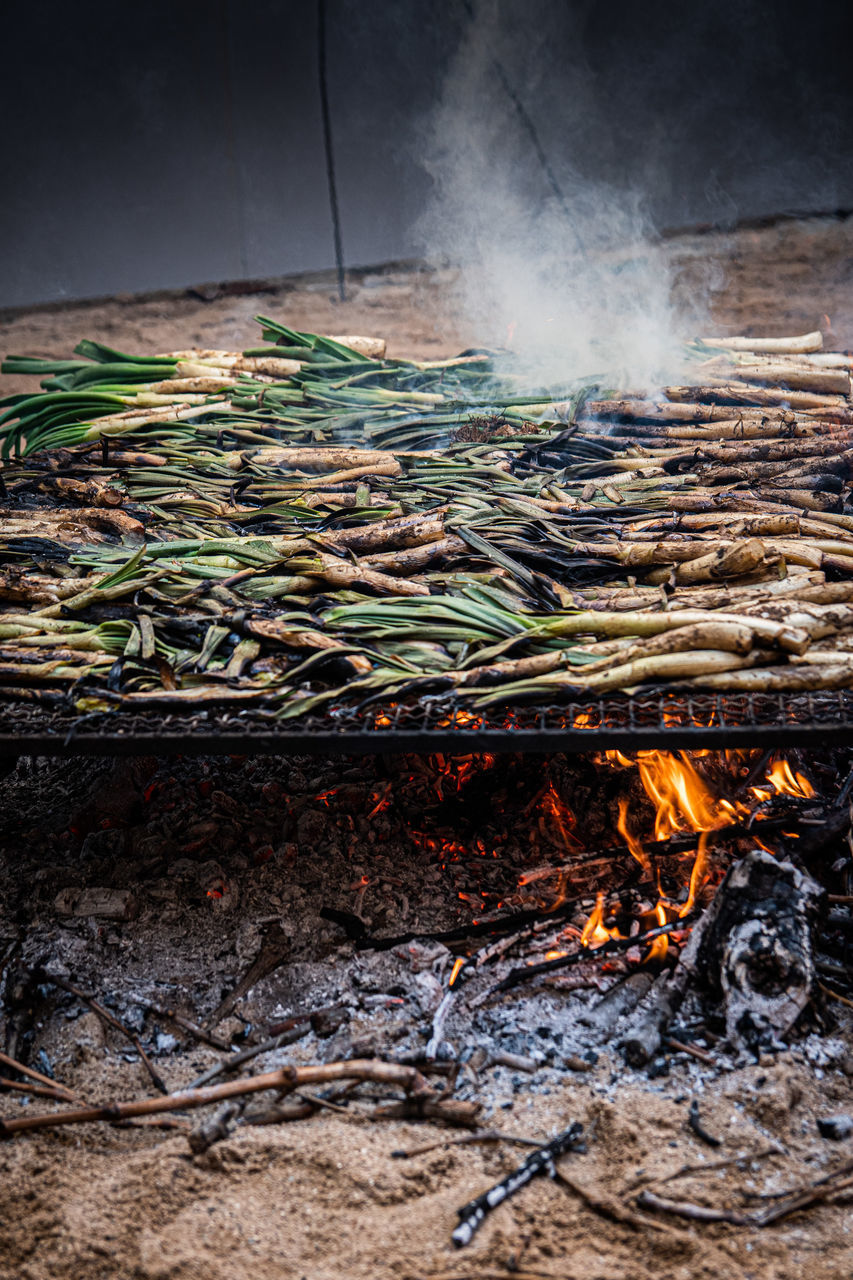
(323, 1198)
(783, 278)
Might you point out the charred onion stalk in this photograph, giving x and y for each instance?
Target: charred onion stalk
(307, 523)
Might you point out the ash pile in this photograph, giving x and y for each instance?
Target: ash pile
(493, 921)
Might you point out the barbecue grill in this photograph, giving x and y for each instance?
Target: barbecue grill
(662, 720)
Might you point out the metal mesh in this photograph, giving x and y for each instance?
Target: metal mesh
(667, 720)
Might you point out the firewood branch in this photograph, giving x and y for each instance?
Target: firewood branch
(284, 1080)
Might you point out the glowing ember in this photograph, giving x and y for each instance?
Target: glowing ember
(561, 816)
(458, 966)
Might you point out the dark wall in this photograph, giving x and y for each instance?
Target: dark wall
(165, 144)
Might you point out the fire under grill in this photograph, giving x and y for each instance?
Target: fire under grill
(664, 721)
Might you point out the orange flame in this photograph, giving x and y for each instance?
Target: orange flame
(636, 849)
(683, 800)
(659, 946)
(458, 966)
(697, 875)
(781, 776)
(594, 932)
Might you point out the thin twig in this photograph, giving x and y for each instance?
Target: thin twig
(110, 1018)
(488, 1135)
(228, 1065)
(705, 1166)
(314, 1101)
(682, 1046)
(609, 1206)
(37, 1090)
(766, 1217)
(827, 991)
(793, 1191)
(285, 1080)
(13, 1063)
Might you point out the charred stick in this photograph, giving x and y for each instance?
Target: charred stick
(357, 932)
(438, 1021)
(274, 948)
(525, 973)
(696, 1212)
(110, 1019)
(186, 1024)
(695, 1123)
(226, 1066)
(620, 999)
(540, 1162)
(329, 1015)
(764, 1218)
(653, 1016)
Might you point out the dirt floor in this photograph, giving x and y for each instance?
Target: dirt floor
(787, 277)
(199, 863)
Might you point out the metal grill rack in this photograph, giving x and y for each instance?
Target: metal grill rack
(665, 720)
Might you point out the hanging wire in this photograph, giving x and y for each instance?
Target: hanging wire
(526, 122)
(327, 144)
(230, 134)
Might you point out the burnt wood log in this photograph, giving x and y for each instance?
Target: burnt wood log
(622, 998)
(751, 950)
(757, 950)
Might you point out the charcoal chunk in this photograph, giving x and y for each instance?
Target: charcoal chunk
(835, 1127)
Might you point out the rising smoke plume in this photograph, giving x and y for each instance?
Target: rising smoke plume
(558, 264)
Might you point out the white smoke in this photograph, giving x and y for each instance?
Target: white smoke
(573, 280)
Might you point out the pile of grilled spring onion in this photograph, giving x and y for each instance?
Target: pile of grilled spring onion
(308, 524)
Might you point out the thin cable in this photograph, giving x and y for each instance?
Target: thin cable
(230, 134)
(327, 144)
(529, 127)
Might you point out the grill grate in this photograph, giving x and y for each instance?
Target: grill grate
(667, 720)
